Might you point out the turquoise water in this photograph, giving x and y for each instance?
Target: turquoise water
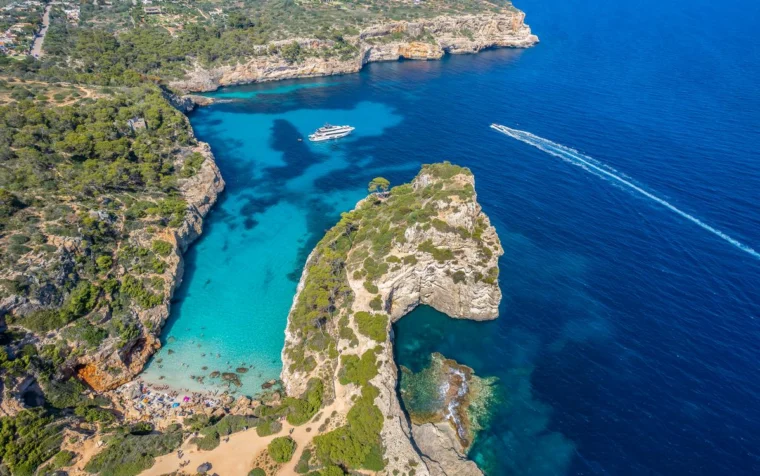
(241, 276)
(627, 336)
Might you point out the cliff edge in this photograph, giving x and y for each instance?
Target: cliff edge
(427, 242)
(425, 39)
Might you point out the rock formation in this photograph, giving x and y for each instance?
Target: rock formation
(424, 243)
(111, 366)
(425, 39)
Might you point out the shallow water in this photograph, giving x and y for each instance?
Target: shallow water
(627, 337)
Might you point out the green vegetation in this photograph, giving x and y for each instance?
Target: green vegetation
(374, 326)
(211, 435)
(439, 254)
(161, 248)
(379, 186)
(192, 165)
(358, 370)
(301, 410)
(268, 427)
(60, 460)
(459, 277)
(121, 44)
(81, 301)
(28, 440)
(357, 444)
(129, 453)
(376, 303)
(281, 449)
(302, 467)
(362, 242)
(76, 182)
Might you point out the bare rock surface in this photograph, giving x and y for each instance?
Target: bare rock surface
(427, 39)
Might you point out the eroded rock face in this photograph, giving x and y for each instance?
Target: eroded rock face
(422, 40)
(112, 365)
(448, 260)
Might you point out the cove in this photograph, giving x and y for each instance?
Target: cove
(627, 336)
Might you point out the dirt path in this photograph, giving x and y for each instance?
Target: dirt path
(235, 457)
(37, 45)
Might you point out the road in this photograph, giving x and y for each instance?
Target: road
(37, 45)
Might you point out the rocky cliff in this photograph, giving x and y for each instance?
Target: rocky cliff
(419, 40)
(119, 358)
(112, 365)
(427, 242)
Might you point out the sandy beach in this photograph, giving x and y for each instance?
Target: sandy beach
(235, 455)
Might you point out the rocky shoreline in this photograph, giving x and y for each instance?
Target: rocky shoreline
(459, 280)
(428, 39)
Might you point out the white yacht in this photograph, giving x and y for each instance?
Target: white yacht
(328, 132)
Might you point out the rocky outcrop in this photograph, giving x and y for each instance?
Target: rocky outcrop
(113, 365)
(425, 39)
(444, 253)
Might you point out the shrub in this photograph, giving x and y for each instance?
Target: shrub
(292, 52)
(369, 286)
(61, 459)
(94, 414)
(162, 248)
(374, 326)
(192, 165)
(64, 394)
(358, 370)
(351, 445)
(459, 277)
(376, 303)
(129, 455)
(27, 440)
(104, 262)
(439, 254)
(209, 439)
(134, 288)
(281, 449)
(81, 301)
(268, 427)
(302, 467)
(300, 410)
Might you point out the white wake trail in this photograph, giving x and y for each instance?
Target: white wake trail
(587, 163)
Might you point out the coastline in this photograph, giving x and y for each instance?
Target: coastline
(203, 201)
(462, 288)
(428, 39)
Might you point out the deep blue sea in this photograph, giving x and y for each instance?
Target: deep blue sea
(628, 341)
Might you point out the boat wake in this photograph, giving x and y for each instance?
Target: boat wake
(599, 169)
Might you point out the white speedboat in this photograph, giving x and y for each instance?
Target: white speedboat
(328, 132)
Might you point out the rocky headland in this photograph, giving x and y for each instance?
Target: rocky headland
(427, 242)
(425, 39)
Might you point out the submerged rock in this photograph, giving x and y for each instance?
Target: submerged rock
(446, 391)
(231, 378)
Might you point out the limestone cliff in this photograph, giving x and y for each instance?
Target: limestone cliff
(112, 365)
(116, 359)
(427, 242)
(422, 39)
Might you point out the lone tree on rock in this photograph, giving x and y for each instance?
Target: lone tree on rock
(379, 186)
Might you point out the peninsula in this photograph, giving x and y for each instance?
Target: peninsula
(428, 243)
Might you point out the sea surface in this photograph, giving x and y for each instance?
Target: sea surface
(628, 340)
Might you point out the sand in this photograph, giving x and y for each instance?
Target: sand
(235, 457)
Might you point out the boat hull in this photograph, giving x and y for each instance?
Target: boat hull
(326, 138)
